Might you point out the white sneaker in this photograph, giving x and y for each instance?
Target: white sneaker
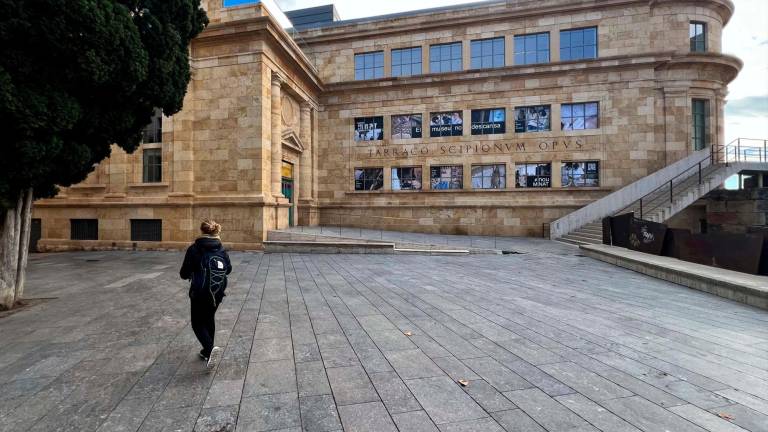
(214, 358)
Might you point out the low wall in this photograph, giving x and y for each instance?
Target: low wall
(740, 287)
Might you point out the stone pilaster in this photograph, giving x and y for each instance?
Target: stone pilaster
(305, 188)
(277, 134)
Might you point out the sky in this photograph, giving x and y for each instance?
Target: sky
(746, 37)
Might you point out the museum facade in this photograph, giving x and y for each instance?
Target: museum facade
(487, 118)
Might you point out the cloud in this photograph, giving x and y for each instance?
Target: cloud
(750, 106)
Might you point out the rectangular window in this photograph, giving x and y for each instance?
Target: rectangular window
(445, 58)
(533, 175)
(153, 165)
(532, 49)
(368, 179)
(487, 53)
(581, 174)
(406, 126)
(146, 230)
(446, 177)
(153, 132)
(489, 176)
(449, 123)
(698, 34)
(578, 44)
(369, 65)
(489, 121)
(533, 118)
(579, 116)
(230, 3)
(700, 123)
(84, 229)
(406, 61)
(406, 178)
(369, 128)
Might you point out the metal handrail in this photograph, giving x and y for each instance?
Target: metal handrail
(735, 151)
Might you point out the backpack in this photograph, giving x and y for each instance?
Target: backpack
(211, 278)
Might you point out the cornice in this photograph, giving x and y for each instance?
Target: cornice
(432, 21)
(725, 8)
(230, 31)
(729, 65)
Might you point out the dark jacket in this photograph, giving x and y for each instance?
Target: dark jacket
(195, 254)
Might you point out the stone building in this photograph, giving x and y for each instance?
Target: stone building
(487, 118)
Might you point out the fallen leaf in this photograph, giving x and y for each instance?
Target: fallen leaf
(408, 333)
(725, 416)
(464, 383)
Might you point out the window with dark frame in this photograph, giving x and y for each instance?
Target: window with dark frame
(489, 176)
(152, 165)
(449, 123)
(446, 177)
(406, 61)
(153, 132)
(489, 121)
(533, 118)
(580, 174)
(699, 123)
(369, 179)
(578, 44)
(369, 65)
(146, 230)
(532, 48)
(579, 116)
(369, 128)
(406, 126)
(487, 53)
(84, 229)
(445, 58)
(533, 175)
(406, 178)
(698, 36)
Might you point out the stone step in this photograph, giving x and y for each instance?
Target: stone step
(327, 247)
(432, 252)
(570, 242)
(596, 231)
(593, 235)
(581, 239)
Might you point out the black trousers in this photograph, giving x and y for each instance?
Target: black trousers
(203, 322)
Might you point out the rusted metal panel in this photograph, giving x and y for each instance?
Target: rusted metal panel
(646, 236)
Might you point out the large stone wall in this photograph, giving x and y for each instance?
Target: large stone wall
(637, 29)
(258, 97)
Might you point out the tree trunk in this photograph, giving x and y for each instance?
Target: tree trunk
(14, 235)
(25, 222)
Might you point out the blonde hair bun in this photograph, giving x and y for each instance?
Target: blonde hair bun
(210, 227)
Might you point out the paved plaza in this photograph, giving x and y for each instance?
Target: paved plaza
(545, 340)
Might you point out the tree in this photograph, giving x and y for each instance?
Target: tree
(77, 76)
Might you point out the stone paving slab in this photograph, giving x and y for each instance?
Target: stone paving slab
(547, 340)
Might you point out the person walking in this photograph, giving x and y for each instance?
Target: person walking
(206, 265)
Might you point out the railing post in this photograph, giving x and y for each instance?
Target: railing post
(764, 155)
(699, 172)
(738, 150)
(670, 191)
(641, 208)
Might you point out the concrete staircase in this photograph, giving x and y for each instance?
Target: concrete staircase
(662, 194)
(591, 233)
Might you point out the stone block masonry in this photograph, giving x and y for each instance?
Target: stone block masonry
(281, 129)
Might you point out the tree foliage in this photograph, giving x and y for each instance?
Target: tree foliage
(79, 75)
